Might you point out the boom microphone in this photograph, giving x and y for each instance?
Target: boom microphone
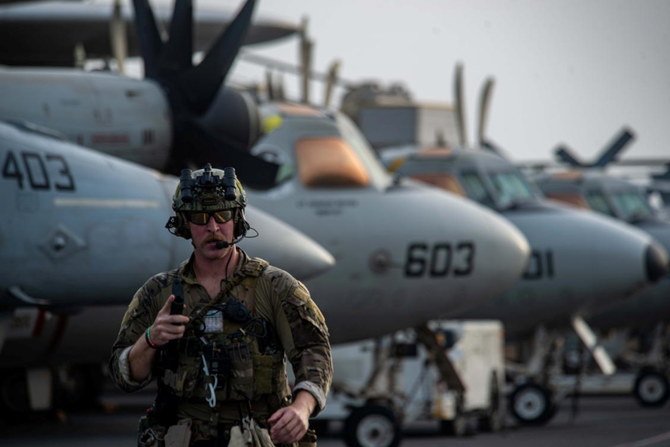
(223, 244)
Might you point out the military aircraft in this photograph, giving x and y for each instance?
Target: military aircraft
(48, 33)
(586, 187)
(82, 230)
(390, 277)
(222, 130)
(579, 262)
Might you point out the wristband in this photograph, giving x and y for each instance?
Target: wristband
(147, 337)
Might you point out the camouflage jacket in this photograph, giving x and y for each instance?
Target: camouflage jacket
(278, 298)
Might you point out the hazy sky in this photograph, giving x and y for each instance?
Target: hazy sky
(566, 71)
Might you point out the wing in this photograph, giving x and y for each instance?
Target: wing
(47, 33)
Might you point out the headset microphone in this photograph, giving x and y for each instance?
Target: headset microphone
(223, 244)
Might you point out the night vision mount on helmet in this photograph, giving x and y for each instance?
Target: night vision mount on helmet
(208, 189)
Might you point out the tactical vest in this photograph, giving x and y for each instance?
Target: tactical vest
(227, 355)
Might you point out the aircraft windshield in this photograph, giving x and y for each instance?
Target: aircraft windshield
(475, 189)
(598, 202)
(511, 188)
(353, 136)
(329, 162)
(443, 181)
(632, 205)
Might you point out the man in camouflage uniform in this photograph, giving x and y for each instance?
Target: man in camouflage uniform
(219, 357)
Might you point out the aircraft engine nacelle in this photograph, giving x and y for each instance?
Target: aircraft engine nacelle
(124, 117)
(233, 117)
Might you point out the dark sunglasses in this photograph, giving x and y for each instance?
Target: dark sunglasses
(202, 217)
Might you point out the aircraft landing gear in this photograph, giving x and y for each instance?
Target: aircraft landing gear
(372, 426)
(24, 390)
(651, 388)
(532, 404)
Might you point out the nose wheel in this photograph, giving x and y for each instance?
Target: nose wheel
(651, 388)
(532, 404)
(372, 426)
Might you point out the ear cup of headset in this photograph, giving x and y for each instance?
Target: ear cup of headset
(181, 226)
(241, 225)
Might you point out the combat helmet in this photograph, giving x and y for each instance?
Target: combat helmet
(208, 189)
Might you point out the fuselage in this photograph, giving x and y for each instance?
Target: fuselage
(405, 252)
(626, 202)
(580, 262)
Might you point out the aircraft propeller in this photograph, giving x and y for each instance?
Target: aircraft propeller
(331, 79)
(610, 154)
(484, 105)
(459, 106)
(117, 36)
(306, 49)
(191, 89)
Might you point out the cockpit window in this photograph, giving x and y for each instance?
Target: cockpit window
(632, 205)
(474, 186)
(329, 162)
(353, 137)
(443, 181)
(598, 202)
(511, 188)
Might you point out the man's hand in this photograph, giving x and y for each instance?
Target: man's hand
(289, 424)
(167, 327)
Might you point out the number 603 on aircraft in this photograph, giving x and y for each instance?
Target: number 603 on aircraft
(440, 259)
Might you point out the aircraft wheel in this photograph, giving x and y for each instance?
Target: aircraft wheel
(372, 426)
(532, 404)
(13, 392)
(651, 388)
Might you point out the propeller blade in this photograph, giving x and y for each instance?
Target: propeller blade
(178, 50)
(79, 55)
(306, 48)
(149, 37)
(201, 83)
(331, 79)
(252, 171)
(269, 87)
(459, 106)
(484, 104)
(279, 88)
(611, 154)
(565, 155)
(118, 38)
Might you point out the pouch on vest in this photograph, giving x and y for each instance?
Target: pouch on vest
(249, 434)
(179, 435)
(241, 379)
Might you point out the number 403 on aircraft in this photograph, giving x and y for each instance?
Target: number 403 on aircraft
(32, 170)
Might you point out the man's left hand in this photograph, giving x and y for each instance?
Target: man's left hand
(289, 424)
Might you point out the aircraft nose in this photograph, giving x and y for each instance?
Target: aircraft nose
(285, 247)
(656, 261)
(495, 260)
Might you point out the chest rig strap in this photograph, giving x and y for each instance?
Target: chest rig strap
(202, 349)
